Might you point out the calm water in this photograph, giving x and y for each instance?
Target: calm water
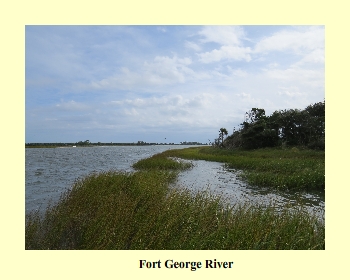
(49, 172)
(217, 179)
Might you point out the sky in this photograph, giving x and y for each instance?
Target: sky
(164, 84)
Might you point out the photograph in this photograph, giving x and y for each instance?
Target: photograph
(175, 137)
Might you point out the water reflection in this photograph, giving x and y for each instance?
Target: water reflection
(218, 180)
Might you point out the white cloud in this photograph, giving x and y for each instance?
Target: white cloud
(237, 72)
(273, 65)
(131, 112)
(298, 75)
(167, 102)
(224, 35)
(72, 106)
(163, 70)
(230, 38)
(130, 78)
(192, 45)
(243, 94)
(290, 91)
(292, 40)
(226, 52)
(316, 56)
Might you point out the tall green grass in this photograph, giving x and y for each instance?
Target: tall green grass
(291, 168)
(162, 162)
(113, 210)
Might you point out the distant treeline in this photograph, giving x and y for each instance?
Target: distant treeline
(291, 127)
(87, 143)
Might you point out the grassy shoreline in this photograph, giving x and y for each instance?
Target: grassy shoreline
(289, 168)
(114, 210)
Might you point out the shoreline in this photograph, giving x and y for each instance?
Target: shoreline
(139, 210)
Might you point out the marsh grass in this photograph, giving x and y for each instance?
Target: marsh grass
(140, 210)
(292, 168)
(162, 162)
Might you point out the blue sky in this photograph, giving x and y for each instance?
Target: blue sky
(148, 83)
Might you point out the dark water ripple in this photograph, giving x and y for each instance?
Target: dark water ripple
(49, 172)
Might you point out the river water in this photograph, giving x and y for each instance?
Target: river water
(215, 178)
(51, 171)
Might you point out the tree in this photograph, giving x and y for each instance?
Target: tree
(234, 140)
(292, 127)
(256, 132)
(300, 127)
(223, 131)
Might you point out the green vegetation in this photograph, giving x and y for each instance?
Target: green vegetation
(142, 210)
(161, 162)
(139, 211)
(291, 127)
(283, 168)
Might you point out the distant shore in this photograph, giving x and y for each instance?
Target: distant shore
(100, 144)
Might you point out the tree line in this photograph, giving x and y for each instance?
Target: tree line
(292, 127)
